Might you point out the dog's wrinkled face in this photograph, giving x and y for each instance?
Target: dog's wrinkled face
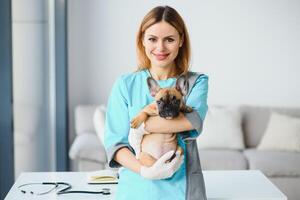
(168, 100)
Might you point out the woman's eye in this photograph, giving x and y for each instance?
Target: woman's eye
(170, 39)
(152, 39)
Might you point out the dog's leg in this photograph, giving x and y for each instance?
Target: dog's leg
(186, 109)
(179, 149)
(139, 119)
(146, 159)
(149, 110)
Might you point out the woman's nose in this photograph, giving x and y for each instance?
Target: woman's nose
(160, 46)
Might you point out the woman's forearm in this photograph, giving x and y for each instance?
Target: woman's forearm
(158, 124)
(153, 125)
(126, 158)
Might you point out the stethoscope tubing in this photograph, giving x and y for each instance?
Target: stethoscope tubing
(84, 192)
(66, 190)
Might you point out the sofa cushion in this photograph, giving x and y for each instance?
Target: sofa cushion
(87, 146)
(222, 129)
(255, 121)
(222, 159)
(274, 163)
(99, 122)
(282, 133)
(84, 118)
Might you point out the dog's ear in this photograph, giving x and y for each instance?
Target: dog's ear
(153, 86)
(182, 84)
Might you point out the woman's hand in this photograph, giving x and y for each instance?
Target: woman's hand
(162, 170)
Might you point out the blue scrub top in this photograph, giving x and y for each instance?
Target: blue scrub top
(129, 95)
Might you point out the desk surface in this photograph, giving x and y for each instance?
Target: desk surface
(220, 185)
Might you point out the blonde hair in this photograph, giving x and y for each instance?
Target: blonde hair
(171, 16)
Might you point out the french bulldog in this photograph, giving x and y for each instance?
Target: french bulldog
(168, 104)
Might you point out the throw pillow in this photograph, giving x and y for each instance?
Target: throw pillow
(99, 121)
(222, 129)
(282, 133)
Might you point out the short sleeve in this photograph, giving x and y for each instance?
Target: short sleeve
(197, 99)
(117, 122)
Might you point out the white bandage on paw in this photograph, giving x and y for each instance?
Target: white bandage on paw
(135, 139)
(142, 128)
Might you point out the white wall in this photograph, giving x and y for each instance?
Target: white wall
(31, 86)
(250, 48)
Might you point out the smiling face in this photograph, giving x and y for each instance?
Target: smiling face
(162, 42)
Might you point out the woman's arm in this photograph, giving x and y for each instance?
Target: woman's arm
(158, 124)
(161, 169)
(126, 158)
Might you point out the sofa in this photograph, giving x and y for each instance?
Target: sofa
(281, 167)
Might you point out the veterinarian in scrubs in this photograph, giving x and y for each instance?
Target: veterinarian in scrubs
(164, 53)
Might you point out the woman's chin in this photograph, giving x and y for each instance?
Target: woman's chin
(161, 64)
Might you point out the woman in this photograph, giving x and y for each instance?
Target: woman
(163, 52)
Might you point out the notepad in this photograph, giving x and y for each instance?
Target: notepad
(103, 177)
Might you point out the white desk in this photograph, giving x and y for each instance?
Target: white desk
(240, 185)
(220, 185)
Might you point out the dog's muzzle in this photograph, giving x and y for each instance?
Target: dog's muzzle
(169, 113)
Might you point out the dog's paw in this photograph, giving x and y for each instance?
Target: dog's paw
(189, 109)
(136, 122)
(186, 109)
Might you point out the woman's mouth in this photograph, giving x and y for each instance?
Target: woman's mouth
(161, 56)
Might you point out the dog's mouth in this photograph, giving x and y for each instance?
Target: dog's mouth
(168, 114)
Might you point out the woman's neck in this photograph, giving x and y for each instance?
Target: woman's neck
(161, 73)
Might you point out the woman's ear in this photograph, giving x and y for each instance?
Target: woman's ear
(181, 41)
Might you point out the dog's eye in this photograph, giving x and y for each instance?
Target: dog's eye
(158, 102)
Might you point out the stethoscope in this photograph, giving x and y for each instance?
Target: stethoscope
(65, 190)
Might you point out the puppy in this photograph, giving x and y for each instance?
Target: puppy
(168, 104)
